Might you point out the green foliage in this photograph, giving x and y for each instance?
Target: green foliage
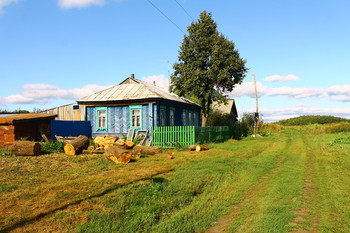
(5, 152)
(92, 142)
(7, 187)
(52, 147)
(247, 123)
(217, 118)
(341, 140)
(314, 119)
(4, 111)
(137, 140)
(23, 139)
(208, 64)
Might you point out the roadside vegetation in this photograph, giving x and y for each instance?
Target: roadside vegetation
(293, 179)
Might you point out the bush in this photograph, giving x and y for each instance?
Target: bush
(52, 147)
(217, 118)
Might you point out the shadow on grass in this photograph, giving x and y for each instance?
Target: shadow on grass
(29, 220)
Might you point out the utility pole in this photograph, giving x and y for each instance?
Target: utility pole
(256, 115)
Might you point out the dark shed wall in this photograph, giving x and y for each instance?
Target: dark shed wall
(179, 109)
(31, 130)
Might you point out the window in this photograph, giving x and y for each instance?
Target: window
(184, 117)
(162, 116)
(172, 116)
(101, 115)
(136, 116)
(195, 118)
(190, 114)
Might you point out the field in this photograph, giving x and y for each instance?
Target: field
(295, 179)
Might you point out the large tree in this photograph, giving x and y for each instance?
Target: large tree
(208, 65)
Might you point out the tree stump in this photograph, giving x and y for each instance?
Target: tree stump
(118, 155)
(149, 150)
(26, 148)
(76, 146)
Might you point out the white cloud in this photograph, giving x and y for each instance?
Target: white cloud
(67, 4)
(160, 80)
(279, 78)
(44, 93)
(4, 3)
(297, 93)
(271, 115)
(247, 89)
(339, 93)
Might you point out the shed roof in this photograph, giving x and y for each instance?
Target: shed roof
(23, 117)
(134, 89)
(229, 108)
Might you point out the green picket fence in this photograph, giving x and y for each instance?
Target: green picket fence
(172, 136)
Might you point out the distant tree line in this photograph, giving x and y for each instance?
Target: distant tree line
(19, 111)
(312, 119)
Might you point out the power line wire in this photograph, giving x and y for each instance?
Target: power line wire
(184, 10)
(166, 16)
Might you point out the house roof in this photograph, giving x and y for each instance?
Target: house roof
(229, 108)
(133, 89)
(10, 119)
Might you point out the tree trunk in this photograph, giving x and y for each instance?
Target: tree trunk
(118, 155)
(76, 146)
(26, 148)
(149, 150)
(201, 148)
(204, 120)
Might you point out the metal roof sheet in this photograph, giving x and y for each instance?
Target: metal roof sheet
(133, 89)
(26, 116)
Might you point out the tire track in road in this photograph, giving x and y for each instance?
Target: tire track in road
(252, 195)
(304, 216)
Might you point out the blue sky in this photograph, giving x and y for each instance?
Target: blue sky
(54, 52)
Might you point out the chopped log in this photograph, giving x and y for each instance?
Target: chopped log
(120, 142)
(26, 148)
(118, 155)
(129, 144)
(91, 152)
(76, 146)
(149, 150)
(192, 147)
(104, 141)
(201, 148)
(91, 148)
(136, 153)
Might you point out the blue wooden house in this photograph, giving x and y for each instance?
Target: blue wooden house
(134, 104)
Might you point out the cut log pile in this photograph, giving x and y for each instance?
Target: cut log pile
(103, 142)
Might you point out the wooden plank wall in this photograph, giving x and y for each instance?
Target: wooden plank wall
(118, 119)
(68, 113)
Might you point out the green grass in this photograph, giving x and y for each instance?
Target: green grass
(292, 180)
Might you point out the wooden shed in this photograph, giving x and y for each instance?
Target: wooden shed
(69, 112)
(30, 126)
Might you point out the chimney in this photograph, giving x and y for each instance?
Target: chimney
(132, 76)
